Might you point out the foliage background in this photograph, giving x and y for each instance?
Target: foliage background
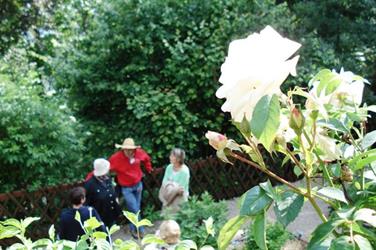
(146, 69)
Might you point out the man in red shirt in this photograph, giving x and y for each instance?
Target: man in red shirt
(126, 163)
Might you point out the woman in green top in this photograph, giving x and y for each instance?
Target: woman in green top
(178, 172)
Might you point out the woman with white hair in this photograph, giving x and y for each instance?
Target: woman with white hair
(100, 193)
(175, 184)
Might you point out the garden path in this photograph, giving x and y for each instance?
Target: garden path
(301, 227)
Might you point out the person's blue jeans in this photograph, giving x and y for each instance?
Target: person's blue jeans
(132, 197)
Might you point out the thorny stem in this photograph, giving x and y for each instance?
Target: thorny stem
(325, 170)
(296, 161)
(308, 195)
(317, 208)
(268, 172)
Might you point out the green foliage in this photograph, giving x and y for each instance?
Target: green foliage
(192, 214)
(276, 237)
(39, 138)
(149, 69)
(151, 213)
(92, 238)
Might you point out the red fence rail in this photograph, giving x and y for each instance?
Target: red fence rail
(222, 181)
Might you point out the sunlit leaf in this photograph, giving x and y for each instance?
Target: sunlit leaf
(265, 120)
(333, 193)
(259, 230)
(151, 238)
(229, 230)
(289, 207)
(367, 215)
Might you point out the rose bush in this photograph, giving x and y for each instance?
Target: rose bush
(325, 137)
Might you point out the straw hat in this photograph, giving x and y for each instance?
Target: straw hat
(101, 167)
(128, 143)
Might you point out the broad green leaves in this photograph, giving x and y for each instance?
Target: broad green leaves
(255, 200)
(289, 207)
(265, 120)
(322, 233)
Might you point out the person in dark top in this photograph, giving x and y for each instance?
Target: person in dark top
(70, 228)
(100, 193)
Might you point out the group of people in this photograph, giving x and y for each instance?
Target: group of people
(98, 198)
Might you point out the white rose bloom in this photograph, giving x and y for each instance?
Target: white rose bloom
(255, 66)
(348, 92)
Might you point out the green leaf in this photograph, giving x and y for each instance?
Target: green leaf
(12, 222)
(102, 244)
(77, 217)
(342, 243)
(186, 245)
(333, 124)
(362, 242)
(368, 140)
(129, 245)
(251, 153)
(133, 218)
(265, 120)
(209, 226)
(150, 239)
(27, 221)
(329, 81)
(255, 201)
(333, 193)
(42, 243)
(259, 230)
(206, 247)
(362, 159)
(229, 230)
(51, 232)
(360, 229)
(144, 222)
(100, 235)
(367, 215)
(9, 232)
(92, 223)
(82, 245)
(289, 207)
(322, 232)
(244, 127)
(113, 229)
(270, 191)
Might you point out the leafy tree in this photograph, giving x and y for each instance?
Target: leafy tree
(40, 140)
(149, 69)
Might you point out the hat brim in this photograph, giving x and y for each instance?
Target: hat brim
(126, 146)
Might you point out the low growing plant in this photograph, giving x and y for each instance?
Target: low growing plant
(93, 238)
(192, 215)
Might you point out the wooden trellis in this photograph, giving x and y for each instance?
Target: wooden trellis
(222, 181)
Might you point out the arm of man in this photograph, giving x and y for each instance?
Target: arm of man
(145, 158)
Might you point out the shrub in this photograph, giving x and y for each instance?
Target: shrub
(276, 237)
(193, 213)
(40, 140)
